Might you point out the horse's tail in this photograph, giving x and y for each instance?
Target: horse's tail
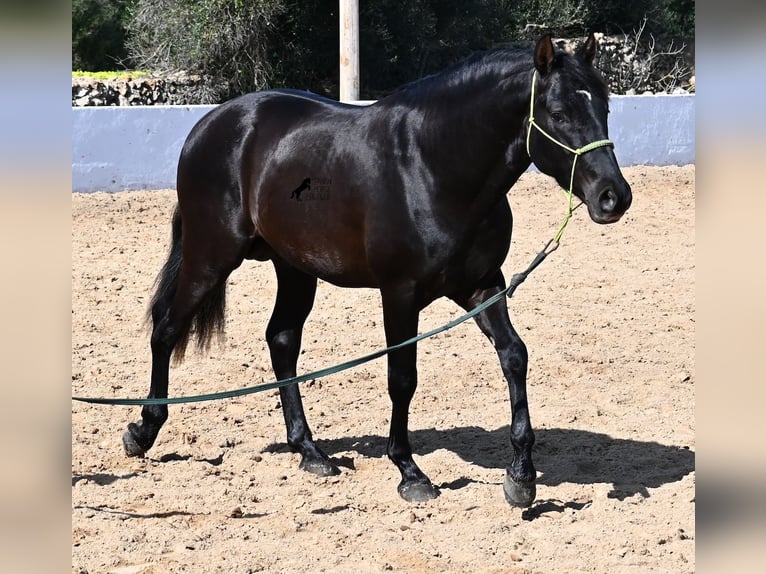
(209, 318)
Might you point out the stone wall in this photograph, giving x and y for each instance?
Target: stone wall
(633, 67)
(629, 68)
(175, 89)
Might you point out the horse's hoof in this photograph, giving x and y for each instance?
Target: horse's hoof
(320, 467)
(417, 491)
(519, 493)
(132, 448)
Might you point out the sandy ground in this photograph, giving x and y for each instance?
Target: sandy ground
(609, 323)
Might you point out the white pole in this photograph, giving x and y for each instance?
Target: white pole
(349, 50)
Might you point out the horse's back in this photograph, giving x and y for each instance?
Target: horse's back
(269, 112)
(235, 141)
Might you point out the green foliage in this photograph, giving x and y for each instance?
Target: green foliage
(304, 52)
(399, 41)
(98, 33)
(680, 18)
(571, 18)
(531, 18)
(245, 45)
(224, 41)
(121, 74)
(404, 41)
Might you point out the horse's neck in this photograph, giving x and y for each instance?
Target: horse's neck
(479, 139)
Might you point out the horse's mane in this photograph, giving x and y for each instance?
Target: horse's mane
(496, 63)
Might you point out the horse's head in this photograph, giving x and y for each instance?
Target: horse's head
(567, 135)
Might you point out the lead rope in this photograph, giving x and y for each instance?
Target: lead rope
(516, 280)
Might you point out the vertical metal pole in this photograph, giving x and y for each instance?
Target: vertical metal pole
(349, 50)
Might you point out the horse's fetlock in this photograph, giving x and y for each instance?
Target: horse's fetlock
(399, 454)
(155, 415)
(522, 435)
(522, 470)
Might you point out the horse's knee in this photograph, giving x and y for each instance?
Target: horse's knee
(284, 347)
(280, 340)
(402, 387)
(514, 356)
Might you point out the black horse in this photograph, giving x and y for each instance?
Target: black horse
(416, 207)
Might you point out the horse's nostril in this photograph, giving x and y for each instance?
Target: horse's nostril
(607, 200)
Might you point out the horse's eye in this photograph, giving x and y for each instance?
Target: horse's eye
(557, 116)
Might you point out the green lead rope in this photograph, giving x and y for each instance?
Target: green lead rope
(516, 280)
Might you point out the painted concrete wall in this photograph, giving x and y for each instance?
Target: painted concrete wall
(652, 130)
(122, 148)
(118, 148)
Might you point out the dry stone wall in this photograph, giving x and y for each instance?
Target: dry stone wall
(175, 89)
(631, 67)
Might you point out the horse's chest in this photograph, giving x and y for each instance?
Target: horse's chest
(468, 261)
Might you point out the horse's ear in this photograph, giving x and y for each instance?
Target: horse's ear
(588, 50)
(544, 54)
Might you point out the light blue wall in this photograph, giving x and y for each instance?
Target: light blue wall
(652, 130)
(121, 148)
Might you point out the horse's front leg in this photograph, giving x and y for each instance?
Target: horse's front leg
(400, 317)
(519, 485)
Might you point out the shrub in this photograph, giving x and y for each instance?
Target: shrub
(224, 41)
(98, 34)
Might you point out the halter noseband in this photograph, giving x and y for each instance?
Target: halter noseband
(577, 152)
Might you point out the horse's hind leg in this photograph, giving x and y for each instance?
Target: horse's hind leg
(295, 298)
(191, 290)
(519, 486)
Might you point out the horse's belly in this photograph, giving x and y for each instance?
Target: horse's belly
(332, 264)
(323, 252)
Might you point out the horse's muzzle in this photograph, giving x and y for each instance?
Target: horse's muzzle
(611, 203)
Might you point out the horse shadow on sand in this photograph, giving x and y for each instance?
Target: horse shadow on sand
(560, 456)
